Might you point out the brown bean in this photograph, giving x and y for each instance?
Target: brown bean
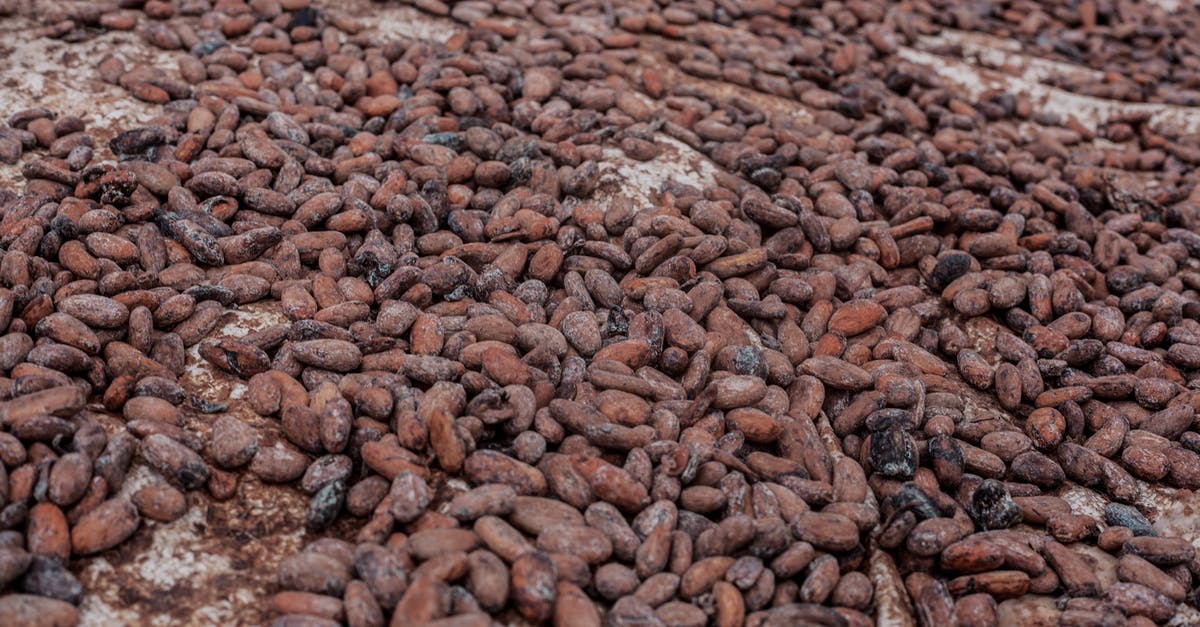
(104, 527)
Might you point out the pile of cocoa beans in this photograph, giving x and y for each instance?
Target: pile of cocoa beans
(1134, 52)
(849, 378)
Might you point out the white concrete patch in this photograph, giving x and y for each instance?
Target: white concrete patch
(43, 72)
(179, 554)
(1089, 111)
(95, 610)
(413, 24)
(169, 560)
(640, 181)
(172, 558)
(1001, 54)
(201, 377)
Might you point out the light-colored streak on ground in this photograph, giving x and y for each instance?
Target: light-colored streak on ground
(1166, 5)
(43, 72)
(1003, 54)
(640, 181)
(199, 376)
(1090, 111)
(410, 23)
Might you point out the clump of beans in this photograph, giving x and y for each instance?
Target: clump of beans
(891, 329)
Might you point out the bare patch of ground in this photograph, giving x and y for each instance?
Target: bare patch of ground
(60, 76)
